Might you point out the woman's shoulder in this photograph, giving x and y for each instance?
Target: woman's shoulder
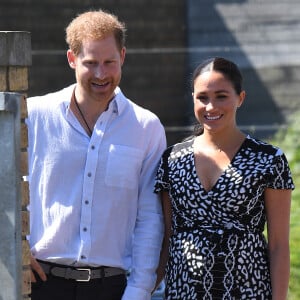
(260, 146)
(183, 145)
(179, 149)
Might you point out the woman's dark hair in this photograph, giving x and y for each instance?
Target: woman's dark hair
(224, 66)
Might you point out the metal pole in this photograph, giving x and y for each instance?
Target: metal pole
(10, 200)
(15, 57)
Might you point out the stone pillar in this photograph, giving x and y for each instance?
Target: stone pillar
(15, 58)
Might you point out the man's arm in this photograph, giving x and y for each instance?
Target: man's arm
(149, 228)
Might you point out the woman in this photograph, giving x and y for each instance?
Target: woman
(218, 189)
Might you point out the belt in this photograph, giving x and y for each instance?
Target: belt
(79, 273)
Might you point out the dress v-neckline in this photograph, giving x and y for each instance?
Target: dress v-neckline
(226, 169)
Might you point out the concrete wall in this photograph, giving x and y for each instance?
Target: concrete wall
(153, 74)
(261, 36)
(166, 39)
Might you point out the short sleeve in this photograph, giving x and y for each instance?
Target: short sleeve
(279, 175)
(162, 175)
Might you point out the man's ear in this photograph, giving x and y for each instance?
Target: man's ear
(123, 54)
(71, 59)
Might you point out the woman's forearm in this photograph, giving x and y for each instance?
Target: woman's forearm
(280, 272)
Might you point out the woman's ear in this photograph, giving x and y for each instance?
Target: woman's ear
(242, 97)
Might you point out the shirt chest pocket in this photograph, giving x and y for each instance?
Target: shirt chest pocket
(123, 166)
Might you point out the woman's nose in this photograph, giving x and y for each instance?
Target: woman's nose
(210, 106)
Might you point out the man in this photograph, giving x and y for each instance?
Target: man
(93, 155)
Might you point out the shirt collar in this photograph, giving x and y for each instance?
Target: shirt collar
(118, 102)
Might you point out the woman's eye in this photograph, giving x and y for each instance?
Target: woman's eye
(221, 96)
(202, 98)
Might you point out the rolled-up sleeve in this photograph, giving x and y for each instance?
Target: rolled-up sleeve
(148, 233)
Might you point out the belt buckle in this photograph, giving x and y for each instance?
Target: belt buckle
(89, 274)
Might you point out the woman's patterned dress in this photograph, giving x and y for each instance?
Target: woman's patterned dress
(217, 249)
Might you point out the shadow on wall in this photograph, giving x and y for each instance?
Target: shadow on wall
(188, 31)
(209, 36)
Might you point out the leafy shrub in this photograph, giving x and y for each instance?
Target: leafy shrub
(288, 140)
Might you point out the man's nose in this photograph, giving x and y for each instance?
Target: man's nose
(100, 72)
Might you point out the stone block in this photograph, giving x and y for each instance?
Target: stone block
(24, 163)
(25, 253)
(24, 112)
(18, 79)
(26, 281)
(24, 136)
(25, 193)
(3, 79)
(15, 48)
(25, 223)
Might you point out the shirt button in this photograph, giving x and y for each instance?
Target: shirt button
(220, 231)
(89, 174)
(92, 147)
(86, 202)
(84, 229)
(83, 257)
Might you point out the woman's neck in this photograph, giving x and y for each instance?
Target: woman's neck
(222, 141)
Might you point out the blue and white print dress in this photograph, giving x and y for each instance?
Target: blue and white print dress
(217, 248)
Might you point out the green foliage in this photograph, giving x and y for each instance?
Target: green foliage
(295, 243)
(289, 141)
